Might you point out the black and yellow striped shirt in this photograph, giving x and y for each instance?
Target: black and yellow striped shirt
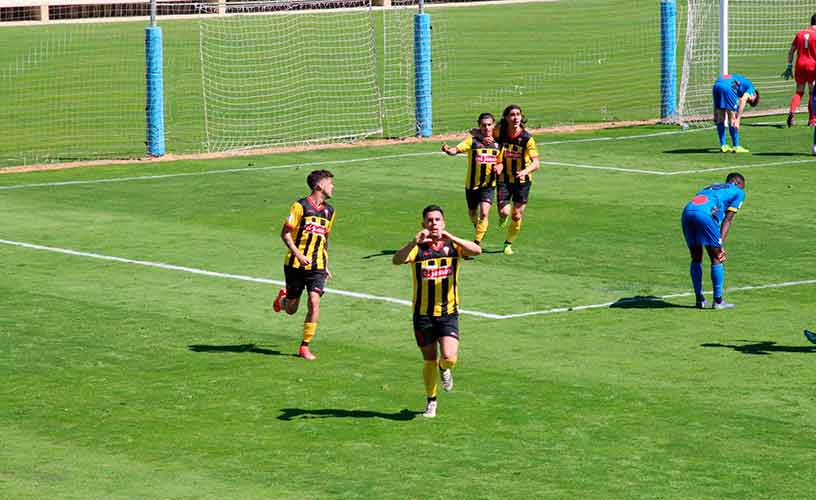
(310, 225)
(482, 159)
(435, 272)
(517, 153)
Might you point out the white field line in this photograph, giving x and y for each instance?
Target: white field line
(365, 296)
(410, 155)
(213, 274)
(222, 171)
(677, 172)
(624, 137)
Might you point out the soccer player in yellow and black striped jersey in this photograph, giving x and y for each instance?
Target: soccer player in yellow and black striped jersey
(484, 164)
(520, 158)
(306, 235)
(434, 257)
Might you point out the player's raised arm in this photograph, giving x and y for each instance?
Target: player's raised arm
(469, 248)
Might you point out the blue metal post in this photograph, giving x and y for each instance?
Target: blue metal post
(668, 58)
(422, 74)
(154, 109)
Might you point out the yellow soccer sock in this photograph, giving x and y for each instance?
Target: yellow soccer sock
(446, 363)
(429, 375)
(481, 229)
(474, 219)
(309, 330)
(513, 230)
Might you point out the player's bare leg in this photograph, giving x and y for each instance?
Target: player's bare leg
(310, 326)
(515, 227)
(449, 346)
(482, 221)
(504, 208)
(794, 105)
(429, 367)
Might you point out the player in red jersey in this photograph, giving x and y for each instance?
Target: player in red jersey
(804, 46)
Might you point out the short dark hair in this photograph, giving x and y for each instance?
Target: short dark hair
(735, 176)
(813, 20)
(316, 176)
(432, 208)
(755, 101)
(486, 115)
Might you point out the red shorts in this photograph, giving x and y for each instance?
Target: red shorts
(805, 73)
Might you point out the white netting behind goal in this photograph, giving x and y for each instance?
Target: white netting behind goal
(273, 77)
(760, 34)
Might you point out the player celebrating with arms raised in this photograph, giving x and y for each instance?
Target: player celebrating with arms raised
(706, 220)
(484, 162)
(306, 235)
(731, 93)
(804, 46)
(435, 254)
(520, 160)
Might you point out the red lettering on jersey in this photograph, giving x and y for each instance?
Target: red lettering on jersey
(314, 229)
(485, 158)
(700, 199)
(513, 155)
(435, 273)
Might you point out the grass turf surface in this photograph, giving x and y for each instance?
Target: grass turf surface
(123, 381)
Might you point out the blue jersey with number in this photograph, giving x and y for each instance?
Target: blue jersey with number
(717, 199)
(729, 88)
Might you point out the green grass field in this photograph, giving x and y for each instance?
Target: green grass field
(124, 380)
(77, 91)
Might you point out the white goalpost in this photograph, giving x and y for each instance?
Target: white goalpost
(749, 37)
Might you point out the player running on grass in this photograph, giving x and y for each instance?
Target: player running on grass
(706, 220)
(484, 163)
(804, 46)
(731, 93)
(520, 160)
(306, 235)
(434, 254)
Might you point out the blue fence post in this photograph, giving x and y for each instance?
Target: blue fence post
(422, 74)
(154, 109)
(668, 59)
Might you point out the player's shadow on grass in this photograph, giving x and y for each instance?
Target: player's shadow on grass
(691, 151)
(381, 254)
(645, 302)
(239, 348)
(290, 414)
(763, 348)
(783, 153)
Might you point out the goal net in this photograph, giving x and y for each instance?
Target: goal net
(759, 36)
(287, 73)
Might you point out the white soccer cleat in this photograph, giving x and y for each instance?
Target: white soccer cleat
(430, 409)
(447, 379)
(813, 150)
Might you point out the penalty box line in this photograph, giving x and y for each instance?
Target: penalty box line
(677, 172)
(379, 298)
(350, 161)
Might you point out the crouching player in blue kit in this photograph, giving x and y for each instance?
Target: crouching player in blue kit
(731, 93)
(706, 220)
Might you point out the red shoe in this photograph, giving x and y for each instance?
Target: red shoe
(811, 122)
(276, 306)
(306, 354)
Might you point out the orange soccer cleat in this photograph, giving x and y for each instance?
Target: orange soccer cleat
(306, 354)
(277, 305)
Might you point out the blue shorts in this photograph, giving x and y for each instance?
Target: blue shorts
(725, 97)
(700, 229)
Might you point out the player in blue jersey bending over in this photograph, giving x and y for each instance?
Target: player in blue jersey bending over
(706, 221)
(731, 93)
